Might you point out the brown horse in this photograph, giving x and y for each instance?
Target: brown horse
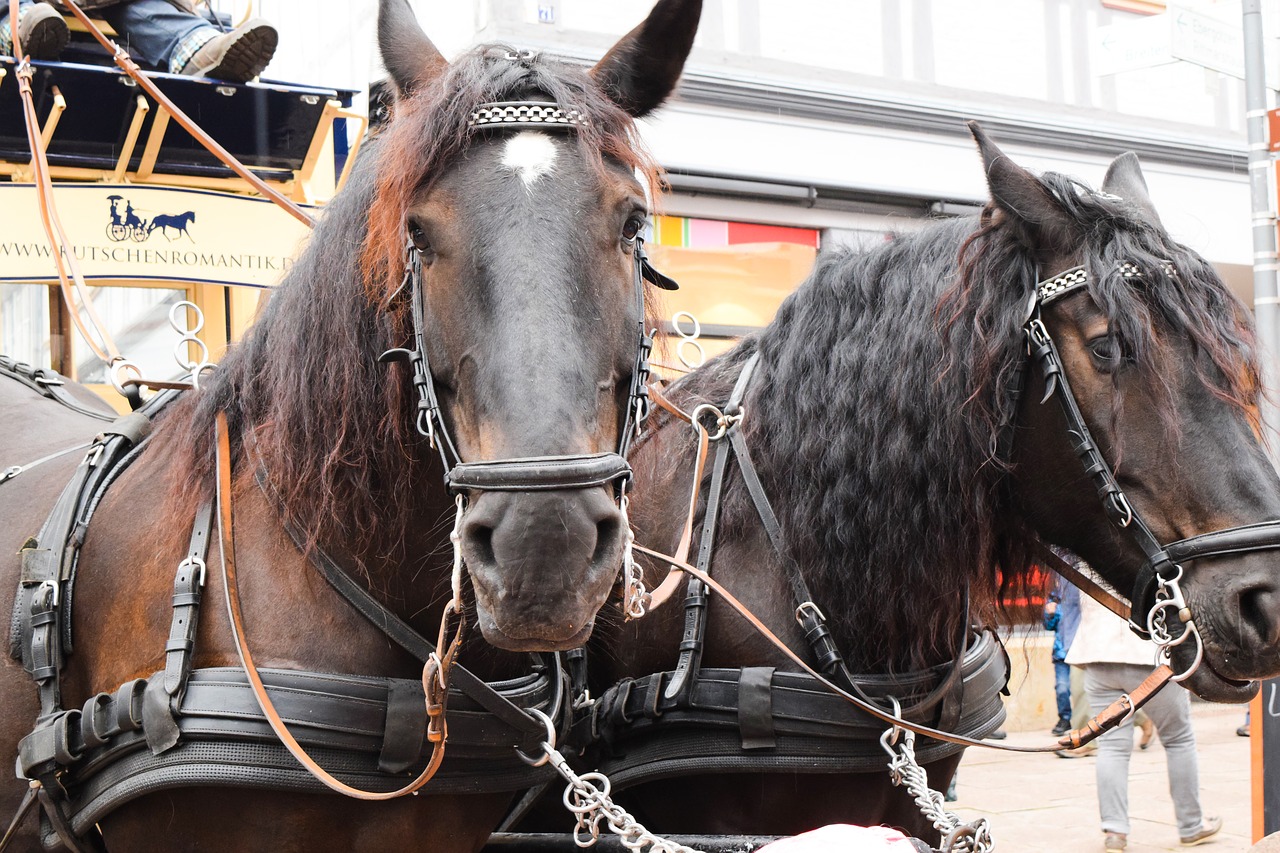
(911, 478)
(512, 183)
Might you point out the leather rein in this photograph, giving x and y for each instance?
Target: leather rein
(1157, 592)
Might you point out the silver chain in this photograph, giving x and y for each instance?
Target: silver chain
(635, 596)
(201, 363)
(587, 797)
(957, 836)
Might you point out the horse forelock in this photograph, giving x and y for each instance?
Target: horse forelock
(430, 129)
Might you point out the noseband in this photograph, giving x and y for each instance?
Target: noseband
(1156, 590)
(537, 472)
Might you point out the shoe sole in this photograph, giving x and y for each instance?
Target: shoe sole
(246, 57)
(47, 39)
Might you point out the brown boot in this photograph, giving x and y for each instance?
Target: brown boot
(1148, 732)
(237, 56)
(40, 28)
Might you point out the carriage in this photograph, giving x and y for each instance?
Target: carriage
(357, 415)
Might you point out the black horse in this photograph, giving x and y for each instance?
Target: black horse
(473, 235)
(912, 478)
(177, 222)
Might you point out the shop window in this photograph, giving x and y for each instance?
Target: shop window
(732, 275)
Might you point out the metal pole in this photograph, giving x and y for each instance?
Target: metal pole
(1266, 304)
(1266, 788)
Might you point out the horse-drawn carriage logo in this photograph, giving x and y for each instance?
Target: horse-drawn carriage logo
(132, 226)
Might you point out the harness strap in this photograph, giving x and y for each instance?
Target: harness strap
(1108, 719)
(399, 631)
(187, 585)
(435, 672)
(50, 384)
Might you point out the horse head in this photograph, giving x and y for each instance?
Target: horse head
(1162, 363)
(513, 184)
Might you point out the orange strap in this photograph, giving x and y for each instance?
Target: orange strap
(672, 581)
(1114, 715)
(434, 674)
(64, 259)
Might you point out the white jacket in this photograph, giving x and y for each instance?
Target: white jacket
(1103, 637)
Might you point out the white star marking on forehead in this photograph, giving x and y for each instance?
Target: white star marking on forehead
(530, 155)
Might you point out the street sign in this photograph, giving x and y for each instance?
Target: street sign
(1132, 45)
(1182, 33)
(1207, 40)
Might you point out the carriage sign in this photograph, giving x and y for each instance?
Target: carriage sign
(138, 233)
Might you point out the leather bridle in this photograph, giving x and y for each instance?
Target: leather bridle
(534, 473)
(1157, 593)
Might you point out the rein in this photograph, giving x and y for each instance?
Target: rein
(435, 673)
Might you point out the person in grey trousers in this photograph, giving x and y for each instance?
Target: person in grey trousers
(1115, 661)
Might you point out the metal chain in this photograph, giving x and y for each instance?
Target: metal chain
(587, 797)
(957, 837)
(635, 595)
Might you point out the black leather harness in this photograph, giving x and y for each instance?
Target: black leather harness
(757, 719)
(186, 727)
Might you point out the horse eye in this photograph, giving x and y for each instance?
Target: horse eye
(632, 228)
(1108, 349)
(419, 238)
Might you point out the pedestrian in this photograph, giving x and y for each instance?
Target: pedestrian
(166, 35)
(1115, 661)
(1062, 616)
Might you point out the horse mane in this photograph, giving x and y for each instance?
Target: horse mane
(885, 377)
(332, 427)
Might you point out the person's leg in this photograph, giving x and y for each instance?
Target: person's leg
(1170, 710)
(1103, 684)
(1079, 704)
(153, 30)
(1062, 690)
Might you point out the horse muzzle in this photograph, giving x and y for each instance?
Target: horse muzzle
(542, 540)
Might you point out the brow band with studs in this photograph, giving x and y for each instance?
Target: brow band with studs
(1076, 277)
(524, 113)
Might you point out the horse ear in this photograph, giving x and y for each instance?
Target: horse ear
(639, 72)
(410, 57)
(1124, 179)
(1049, 228)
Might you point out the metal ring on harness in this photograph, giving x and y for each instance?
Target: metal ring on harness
(117, 367)
(547, 745)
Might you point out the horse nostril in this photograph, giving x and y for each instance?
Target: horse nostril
(1257, 612)
(608, 531)
(480, 537)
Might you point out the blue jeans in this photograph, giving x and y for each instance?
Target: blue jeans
(150, 30)
(1062, 689)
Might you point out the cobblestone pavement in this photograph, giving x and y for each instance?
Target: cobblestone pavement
(1046, 804)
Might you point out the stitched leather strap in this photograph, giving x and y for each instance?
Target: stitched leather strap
(434, 674)
(188, 583)
(539, 473)
(1108, 719)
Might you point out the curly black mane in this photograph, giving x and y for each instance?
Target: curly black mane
(883, 382)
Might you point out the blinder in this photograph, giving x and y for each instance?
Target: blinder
(1156, 590)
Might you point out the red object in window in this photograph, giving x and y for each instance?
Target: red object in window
(745, 232)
